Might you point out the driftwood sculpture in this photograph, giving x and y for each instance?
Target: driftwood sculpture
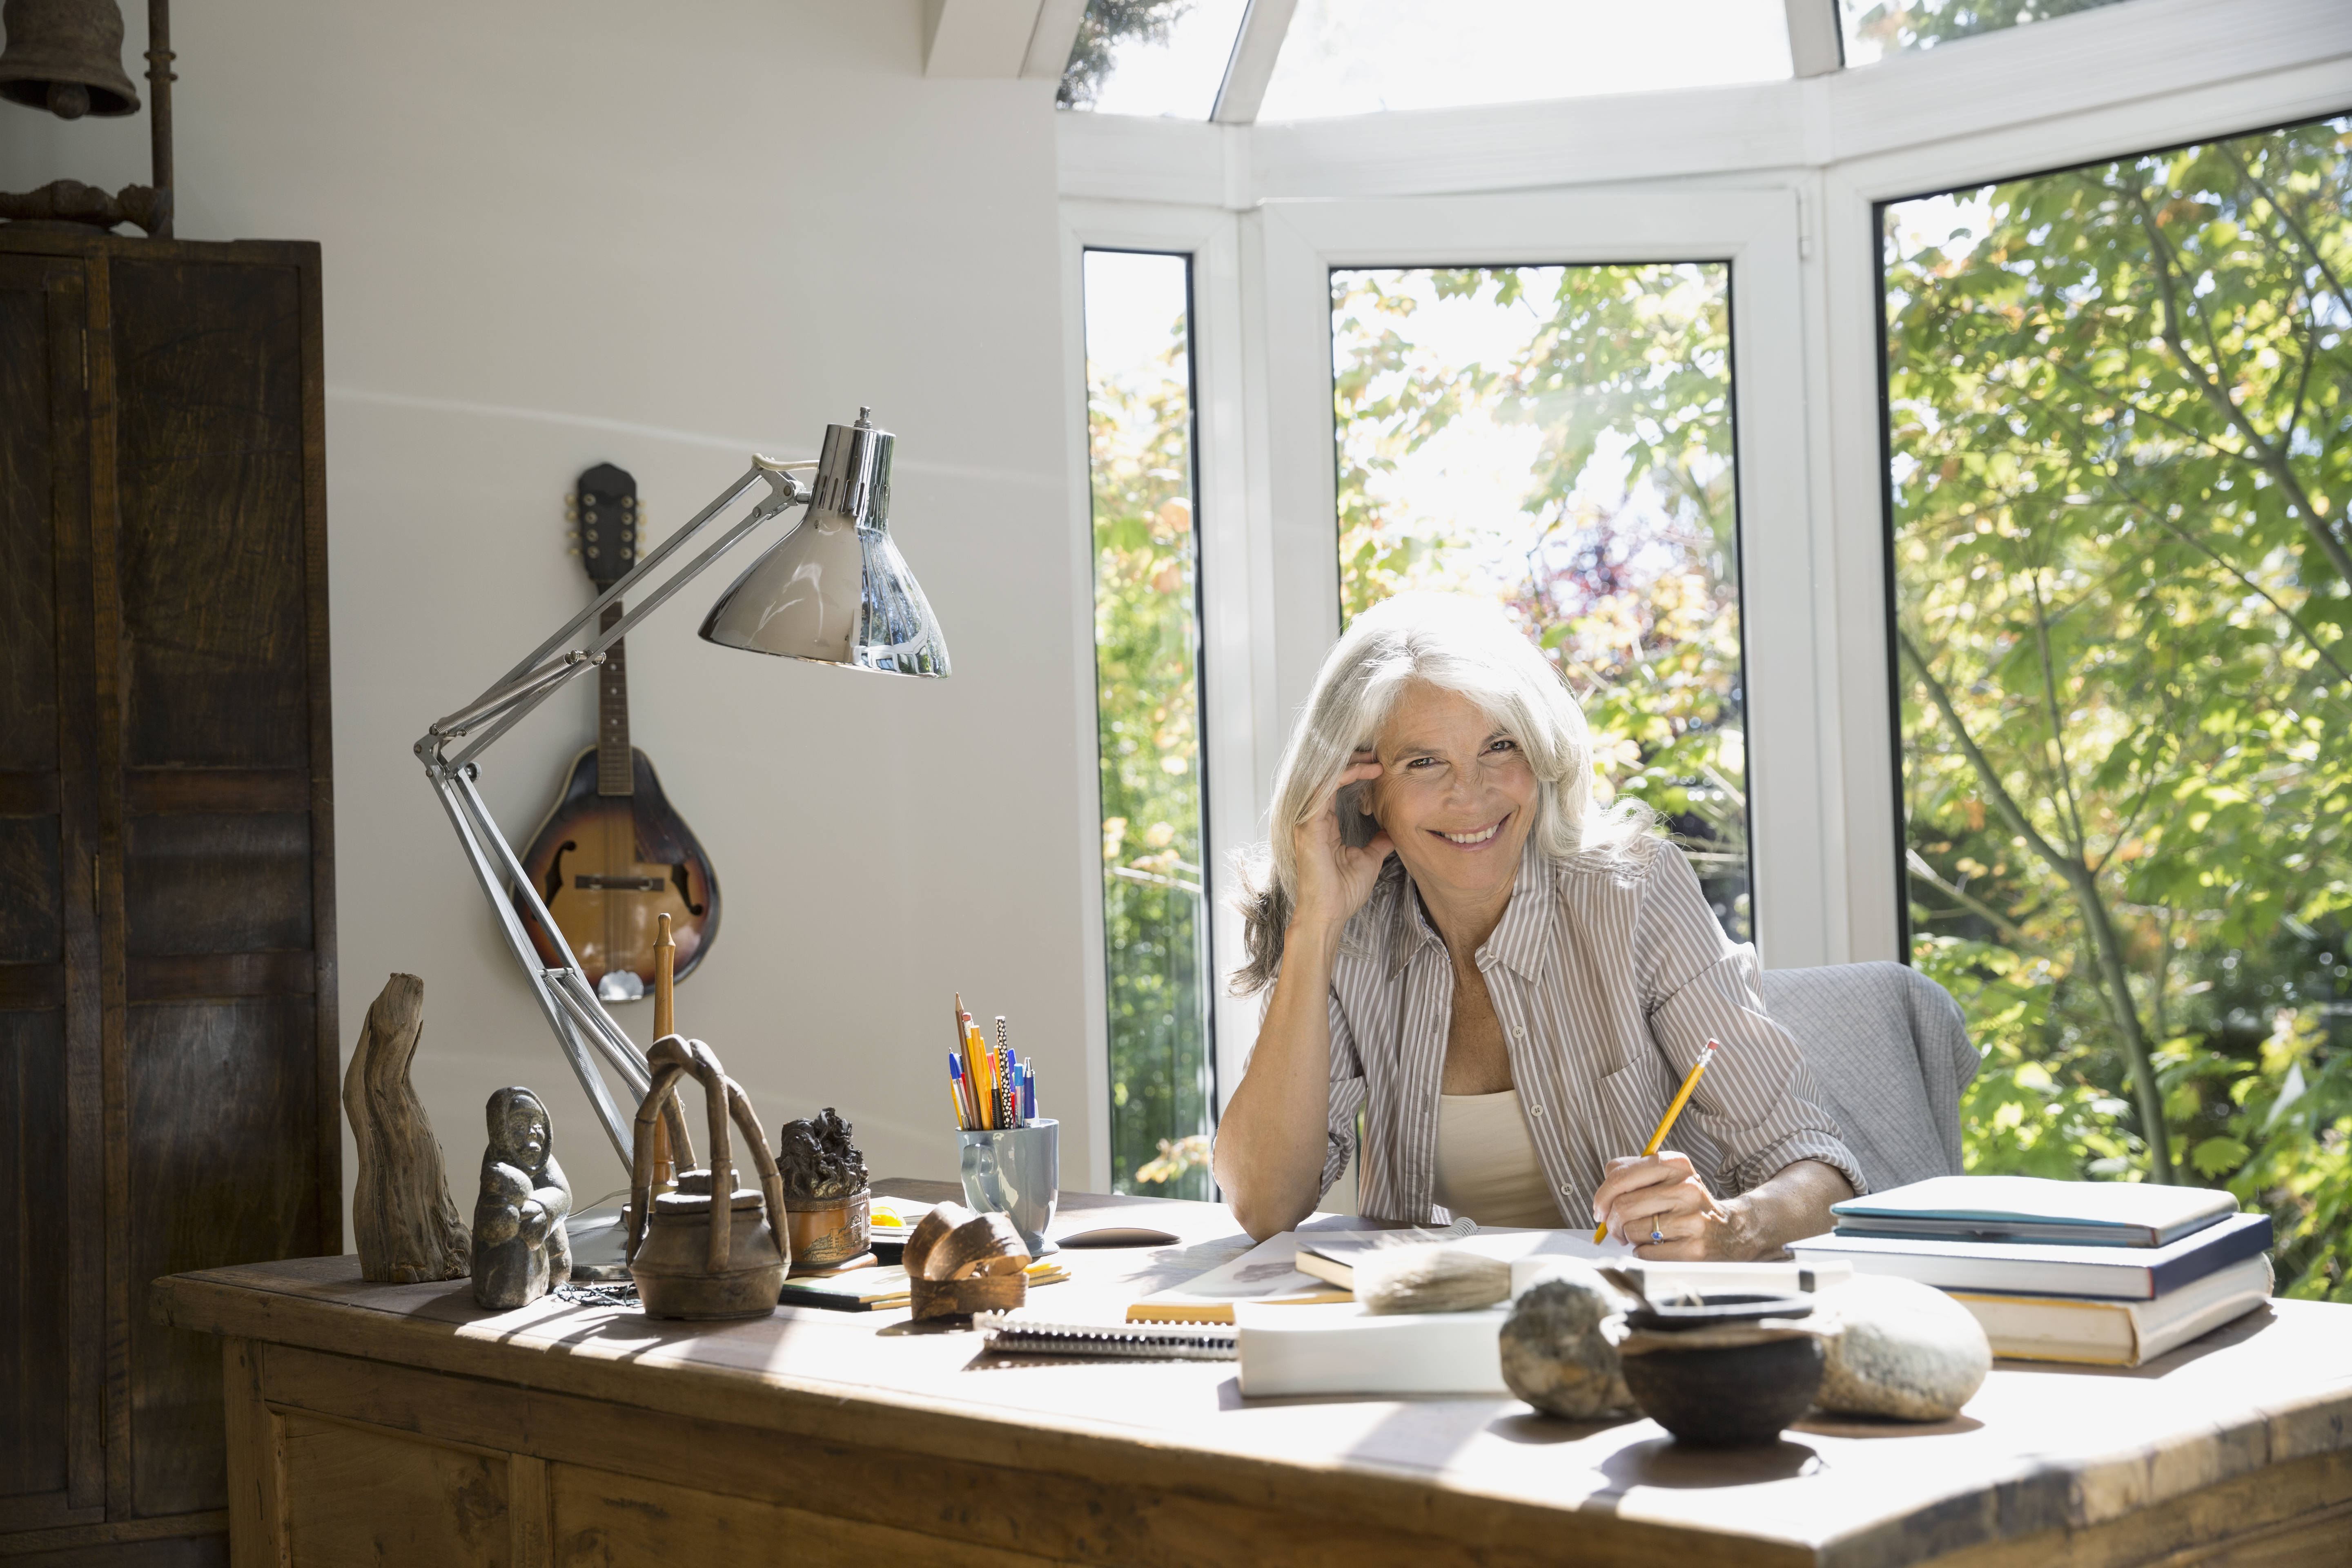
(402, 1220)
(958, 1262)
(520, 1248)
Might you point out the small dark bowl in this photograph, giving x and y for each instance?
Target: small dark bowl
(1738, 1396)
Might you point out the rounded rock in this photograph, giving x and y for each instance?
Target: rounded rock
(1902, 1349)
(1557, 1353)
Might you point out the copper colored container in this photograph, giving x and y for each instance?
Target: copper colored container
(828, 1231)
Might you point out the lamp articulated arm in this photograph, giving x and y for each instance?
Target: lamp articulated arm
(583, 1029)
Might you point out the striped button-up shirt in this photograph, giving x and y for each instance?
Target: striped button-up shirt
(1609, 975)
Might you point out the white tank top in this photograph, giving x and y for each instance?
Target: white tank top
(1486, 1165)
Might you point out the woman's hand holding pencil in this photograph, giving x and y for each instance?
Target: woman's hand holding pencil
(1657, 1201)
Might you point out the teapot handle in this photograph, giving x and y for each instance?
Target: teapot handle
(672, 1059)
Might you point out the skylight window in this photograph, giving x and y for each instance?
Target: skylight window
(1362, 57)
(1159, 57)
(1877, 28)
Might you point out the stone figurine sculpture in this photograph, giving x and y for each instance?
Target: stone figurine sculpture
(520, 1250)
(402, 1220)
(828, 1202)
(816, 1158)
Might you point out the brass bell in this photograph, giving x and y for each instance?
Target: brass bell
(66, 55)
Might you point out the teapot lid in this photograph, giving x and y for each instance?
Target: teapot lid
(684, 1202)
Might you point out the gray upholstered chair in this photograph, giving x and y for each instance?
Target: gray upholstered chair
(1890, 1053)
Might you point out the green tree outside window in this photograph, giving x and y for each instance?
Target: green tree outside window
(2120, 426)
(1147, 688)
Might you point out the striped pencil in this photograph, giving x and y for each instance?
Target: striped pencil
(1011, 1109)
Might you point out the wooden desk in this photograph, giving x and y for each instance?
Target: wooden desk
(400, 1424)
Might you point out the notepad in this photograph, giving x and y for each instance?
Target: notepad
(1019, 1334)
(2034, 1209)
(859, 1291)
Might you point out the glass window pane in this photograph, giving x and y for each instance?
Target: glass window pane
(1151, 56)
(1877, 28)
(1560, 437)
(2120, 421)
(1147, 695)
(1360, 56)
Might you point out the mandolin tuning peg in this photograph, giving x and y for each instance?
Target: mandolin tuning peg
(574, 550)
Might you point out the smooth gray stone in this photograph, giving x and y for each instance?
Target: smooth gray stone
(520, 1248)
(1557, 1354)
(1902, 1349)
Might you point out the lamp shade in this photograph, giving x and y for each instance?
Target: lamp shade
(836, 590)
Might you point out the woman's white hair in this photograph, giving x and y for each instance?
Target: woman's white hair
(1455, 643)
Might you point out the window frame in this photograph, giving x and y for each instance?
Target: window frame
(1757, 234)
(1229, 695)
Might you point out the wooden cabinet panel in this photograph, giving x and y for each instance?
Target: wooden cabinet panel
(32, 891)
(209, 362)
(423, 1503)
(167, 1026)
(33, 1438)
(217, 882)
(209, 1188)
(51, 1290)
(28, 623)
(604, 1520)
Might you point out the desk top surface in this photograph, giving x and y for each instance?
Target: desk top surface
(2039, 1446)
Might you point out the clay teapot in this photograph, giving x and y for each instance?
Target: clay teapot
(692, 1257)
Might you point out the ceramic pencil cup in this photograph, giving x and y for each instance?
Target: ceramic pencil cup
(1016, 1172)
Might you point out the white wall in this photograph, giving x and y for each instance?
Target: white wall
(662, 236)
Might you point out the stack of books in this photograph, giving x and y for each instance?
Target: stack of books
(2110, 1273)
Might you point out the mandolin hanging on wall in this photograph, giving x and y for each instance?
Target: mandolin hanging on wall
(613, 856)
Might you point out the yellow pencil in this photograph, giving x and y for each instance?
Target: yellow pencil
(1667, 1122)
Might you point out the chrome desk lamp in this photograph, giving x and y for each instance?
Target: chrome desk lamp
(833, 590)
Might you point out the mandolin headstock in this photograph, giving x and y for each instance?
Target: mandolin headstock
(602, 515)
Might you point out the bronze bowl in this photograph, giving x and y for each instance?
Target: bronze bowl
(1725, 1396)
(828, 1231)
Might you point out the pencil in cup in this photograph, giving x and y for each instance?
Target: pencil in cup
(1667, 1122)
(967, 1071)
(962, 1093)
(1007, 1078)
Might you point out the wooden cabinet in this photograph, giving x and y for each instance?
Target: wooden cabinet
(167, 913)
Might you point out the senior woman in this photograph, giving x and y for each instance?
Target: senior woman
(1507, 983)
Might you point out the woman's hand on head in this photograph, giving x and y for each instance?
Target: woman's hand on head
(1334, 876)
(1661, 1195)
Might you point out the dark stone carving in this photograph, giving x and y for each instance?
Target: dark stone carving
(816, 1158)
(520, 1250)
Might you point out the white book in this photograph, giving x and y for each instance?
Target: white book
(2030, 1269)
(1340, 1347)
(2117, 1333)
